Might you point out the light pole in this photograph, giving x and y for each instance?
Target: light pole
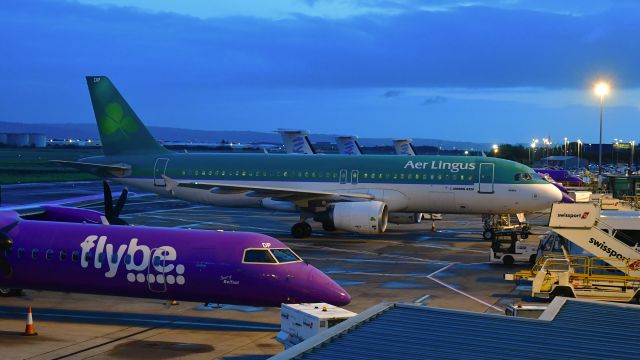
(579, 143)
(633, 147)
(565, 146)
(601, 89)
(534, 143)
(495, 149)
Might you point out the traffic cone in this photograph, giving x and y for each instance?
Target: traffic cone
(29, 330)
(433, 227)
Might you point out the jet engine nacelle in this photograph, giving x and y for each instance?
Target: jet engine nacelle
(366, 217)
(405, 218)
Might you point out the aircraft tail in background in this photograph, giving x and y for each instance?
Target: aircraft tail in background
(348, 145)
(403, 147)
(121, 131)
(296, 141)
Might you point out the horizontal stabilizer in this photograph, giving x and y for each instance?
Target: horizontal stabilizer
(101, 170)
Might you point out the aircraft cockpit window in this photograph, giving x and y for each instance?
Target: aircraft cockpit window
(260, 256)
(522, 177)
(285, 255)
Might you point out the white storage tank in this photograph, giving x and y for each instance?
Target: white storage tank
(38, 140)
(18, 139)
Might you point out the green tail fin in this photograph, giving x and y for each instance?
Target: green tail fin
(121, 131)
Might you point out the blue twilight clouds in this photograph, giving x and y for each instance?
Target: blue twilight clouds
(482, 71)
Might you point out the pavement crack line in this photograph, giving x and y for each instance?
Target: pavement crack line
(81, 342)
(105, 343)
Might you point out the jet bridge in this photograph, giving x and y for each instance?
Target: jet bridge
(613, 273)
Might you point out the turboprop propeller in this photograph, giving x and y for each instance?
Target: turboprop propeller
(6, 244)
(111, 212)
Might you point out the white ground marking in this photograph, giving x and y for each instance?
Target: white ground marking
(441, 269)
(375, 260)
(431, 277)
(411, 258)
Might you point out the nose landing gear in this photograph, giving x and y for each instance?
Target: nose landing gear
(301, 230)
(502, 222)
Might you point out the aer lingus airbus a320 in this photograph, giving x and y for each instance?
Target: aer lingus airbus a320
(350, 193)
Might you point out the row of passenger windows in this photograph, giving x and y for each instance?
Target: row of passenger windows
(49, 254)
(62, 255)
(326, 175)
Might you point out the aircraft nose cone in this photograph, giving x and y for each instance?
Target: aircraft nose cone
(554, 194)
(327, 290)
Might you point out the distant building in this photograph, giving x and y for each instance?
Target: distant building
(562, 162)
(38, 140)
(73, 143)
(23, 139)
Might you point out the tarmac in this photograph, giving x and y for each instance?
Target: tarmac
(448, 268)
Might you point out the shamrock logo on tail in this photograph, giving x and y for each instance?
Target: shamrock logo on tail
(113, 121)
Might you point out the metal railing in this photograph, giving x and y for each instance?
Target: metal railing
(586, 269)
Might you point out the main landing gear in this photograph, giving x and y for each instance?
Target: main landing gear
(301, 230)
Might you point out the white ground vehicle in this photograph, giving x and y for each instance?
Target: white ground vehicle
(299, 322)
(508, 248)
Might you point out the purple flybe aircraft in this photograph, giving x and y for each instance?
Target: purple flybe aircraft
(77, 250)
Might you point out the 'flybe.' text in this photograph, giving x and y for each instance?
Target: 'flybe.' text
(142, 263)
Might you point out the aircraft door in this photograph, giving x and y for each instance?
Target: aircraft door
(159, 169)
(354, 177)
(158, 269)
(485, 178)
(343, 176)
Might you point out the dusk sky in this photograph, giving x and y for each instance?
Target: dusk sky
(486, 71)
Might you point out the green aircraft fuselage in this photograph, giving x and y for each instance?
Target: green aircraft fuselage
(308, 183)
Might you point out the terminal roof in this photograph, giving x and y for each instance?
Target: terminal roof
(569, 328)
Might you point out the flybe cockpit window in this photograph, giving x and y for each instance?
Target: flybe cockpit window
(285, 255)
(260, 256)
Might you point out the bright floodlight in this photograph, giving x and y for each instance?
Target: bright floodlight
(602, 88)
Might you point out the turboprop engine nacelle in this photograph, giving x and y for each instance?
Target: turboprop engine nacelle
(366, 217)
(405, 218)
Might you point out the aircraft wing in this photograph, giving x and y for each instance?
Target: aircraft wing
(262, 191)
(97, 169)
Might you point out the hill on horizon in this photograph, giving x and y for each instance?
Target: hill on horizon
(90, 131)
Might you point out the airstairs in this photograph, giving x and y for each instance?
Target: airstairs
(612, 273)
